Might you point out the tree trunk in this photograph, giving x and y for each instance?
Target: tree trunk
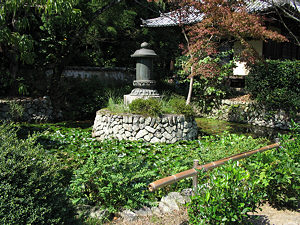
(189, 96)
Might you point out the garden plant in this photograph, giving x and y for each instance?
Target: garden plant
(113, 175)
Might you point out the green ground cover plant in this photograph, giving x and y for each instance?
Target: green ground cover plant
(32, 183)
(96, 168)
(277, 173)
(152, 107)
(114, 174)
(229, 192)
(226, 197)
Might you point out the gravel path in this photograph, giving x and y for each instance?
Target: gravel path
(268, 215)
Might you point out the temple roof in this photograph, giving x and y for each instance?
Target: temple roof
(192, 15)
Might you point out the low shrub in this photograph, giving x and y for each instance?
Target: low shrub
(226, 198)
(112, 181)
(157, 107)
(32, 185)
(275, 84)
(231, 191)
(16, 110)
(102, 166)
(179, 106)
(150, 107)
(277, 173)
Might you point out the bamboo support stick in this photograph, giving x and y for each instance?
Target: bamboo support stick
(192, 172)
(195, 178)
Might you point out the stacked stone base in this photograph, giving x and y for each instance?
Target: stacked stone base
(165, 129)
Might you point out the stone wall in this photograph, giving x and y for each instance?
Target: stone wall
(111, 77)
(28, 110)
(251, 113)
(165, 129)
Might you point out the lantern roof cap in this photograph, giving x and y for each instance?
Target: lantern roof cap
(144, 52)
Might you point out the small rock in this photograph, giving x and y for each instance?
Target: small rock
(144, 212)
(170, 202)
(148, 121)
(150, 129)
(98, 213)
(167, 136)
(164, 208)
(128, 215)
(147, 137)
(142, 120)
(187, 192)
(156, 211)
(177, 197)
(153, 120)
(135, 120)
(154, 140)
(141, 134)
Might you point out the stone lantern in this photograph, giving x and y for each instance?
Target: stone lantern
(144, 83)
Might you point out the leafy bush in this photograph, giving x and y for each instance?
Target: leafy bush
(276, 84)
(277, 173)
(207, 91)
(112, 181)
(32, 189)
(178, 106)
(16, 110)
(150, 106)
(226, 198)
(157, 107)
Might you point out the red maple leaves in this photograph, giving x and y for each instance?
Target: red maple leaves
(222, 21)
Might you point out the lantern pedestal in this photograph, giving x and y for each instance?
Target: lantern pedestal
(144, 83)
(143, 89)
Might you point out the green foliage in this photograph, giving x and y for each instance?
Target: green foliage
(276, 84)
(114, 174)
(226, 198)
(150, 107)
(32, 189)
(16, 110)
(74, 145)
(112, 181)
(157, 107)
(232, 191)
(207, 91)
(178, 106)
(117, 105)
(42, 34)
(277, 173)
(115, 100)
(76, 149)
(22, 87)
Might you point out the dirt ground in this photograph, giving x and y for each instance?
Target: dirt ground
(268, 215)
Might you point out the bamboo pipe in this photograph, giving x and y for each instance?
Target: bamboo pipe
(192, 172)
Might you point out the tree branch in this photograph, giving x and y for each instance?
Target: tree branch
(287, 28)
